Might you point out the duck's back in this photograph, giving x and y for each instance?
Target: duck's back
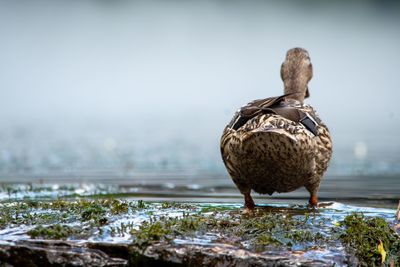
(269, 152)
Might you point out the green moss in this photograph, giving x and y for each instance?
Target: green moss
(92, 212)
(177, 206)
(168, 205)
(279, 229)
(266, 230)
(266, 240)
(141, 204)
(149, 232)
(119, 207)
(165, 228)
(56, 231)
(14, 214)
(95, 212)
(362, 236)
(122, 229)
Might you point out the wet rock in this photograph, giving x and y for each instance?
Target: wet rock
(67, 253)
(54, 253)
(193, 255)
(138, 233)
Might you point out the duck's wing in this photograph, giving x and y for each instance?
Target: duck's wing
(252, 109)
(271, 105)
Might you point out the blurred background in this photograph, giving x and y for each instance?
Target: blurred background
(128, 88)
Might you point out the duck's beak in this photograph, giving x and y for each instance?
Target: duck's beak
(307, 93)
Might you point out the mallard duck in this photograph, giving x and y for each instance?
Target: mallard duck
(279, 144)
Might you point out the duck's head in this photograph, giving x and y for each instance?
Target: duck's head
(296, 72)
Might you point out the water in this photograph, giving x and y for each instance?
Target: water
(199, 187)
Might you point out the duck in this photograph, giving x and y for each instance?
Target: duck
(279, 144)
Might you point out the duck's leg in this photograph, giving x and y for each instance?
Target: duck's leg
(313, 189)
(313, 201)
(248, 200)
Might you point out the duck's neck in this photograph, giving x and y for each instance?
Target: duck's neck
(296, 89)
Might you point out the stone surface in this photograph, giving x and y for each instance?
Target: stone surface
(66, 253)
(55, 253)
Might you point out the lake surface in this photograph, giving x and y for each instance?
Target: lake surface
(171, 186)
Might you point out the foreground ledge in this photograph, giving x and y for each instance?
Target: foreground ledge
(66, 253)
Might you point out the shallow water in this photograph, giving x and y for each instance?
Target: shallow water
(376, 191)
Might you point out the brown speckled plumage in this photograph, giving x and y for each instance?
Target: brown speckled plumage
(271, 153)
